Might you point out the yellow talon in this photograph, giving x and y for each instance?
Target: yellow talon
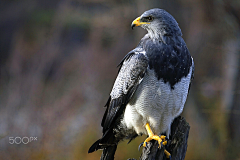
(155, 137)
(161, 140)
(167, 153)
(164, 143)
(163, 137)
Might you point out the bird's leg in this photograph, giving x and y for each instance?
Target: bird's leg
(161, 140)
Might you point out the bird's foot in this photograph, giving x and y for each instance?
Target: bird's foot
(161, 141)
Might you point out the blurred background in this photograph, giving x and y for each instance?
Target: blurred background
(58, 63)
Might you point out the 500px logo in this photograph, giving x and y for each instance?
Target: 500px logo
(23, 140)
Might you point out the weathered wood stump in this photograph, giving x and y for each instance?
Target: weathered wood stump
(177, 143)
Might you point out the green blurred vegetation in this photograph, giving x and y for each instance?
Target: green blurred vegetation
(58, 64)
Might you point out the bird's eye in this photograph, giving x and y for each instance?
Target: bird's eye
(147, 19)
(150, 18)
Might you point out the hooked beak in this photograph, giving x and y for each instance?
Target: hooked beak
(137, 22)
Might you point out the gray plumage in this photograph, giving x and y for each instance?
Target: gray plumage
(151, 86)
(162, 26)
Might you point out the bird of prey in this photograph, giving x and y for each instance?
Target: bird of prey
(151, 87)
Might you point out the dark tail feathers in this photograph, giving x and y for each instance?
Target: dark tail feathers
(108, 153)
(108, 143)
(95, 146)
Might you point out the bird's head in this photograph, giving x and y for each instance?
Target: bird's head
(158, 23)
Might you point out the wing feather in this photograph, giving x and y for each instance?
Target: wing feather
(131, 72)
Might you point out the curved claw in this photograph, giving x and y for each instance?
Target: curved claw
(140, 145)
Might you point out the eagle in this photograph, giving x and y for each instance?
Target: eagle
(151, 87)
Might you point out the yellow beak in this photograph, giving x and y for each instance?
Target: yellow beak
(137, 22)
